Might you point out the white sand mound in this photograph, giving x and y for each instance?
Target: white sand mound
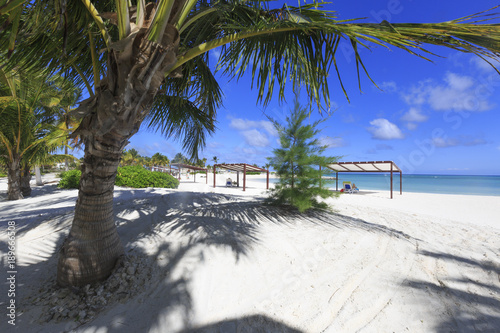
(205, 260)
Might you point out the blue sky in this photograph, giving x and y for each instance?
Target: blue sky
(429, 118)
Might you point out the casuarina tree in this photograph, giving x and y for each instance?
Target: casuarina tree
(297, 162)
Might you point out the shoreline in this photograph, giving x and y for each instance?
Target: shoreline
(395, 188)
(50, 178)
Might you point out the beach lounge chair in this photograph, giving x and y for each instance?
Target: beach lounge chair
(347, 187)
(235, 183)
(229, 182)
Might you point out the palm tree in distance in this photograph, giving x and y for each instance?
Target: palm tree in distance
(131, 157)
(154, 68)
(159, 159)
(26, 130)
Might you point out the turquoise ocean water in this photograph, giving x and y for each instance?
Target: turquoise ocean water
(445, 184)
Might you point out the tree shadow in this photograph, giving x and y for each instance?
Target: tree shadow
(254, 323)
(470, 305)
(201, 220)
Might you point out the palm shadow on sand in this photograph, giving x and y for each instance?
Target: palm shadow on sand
(206, 219)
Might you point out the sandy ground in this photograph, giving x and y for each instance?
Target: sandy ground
(221, 261)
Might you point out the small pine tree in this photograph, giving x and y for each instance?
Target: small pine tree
(297, 163)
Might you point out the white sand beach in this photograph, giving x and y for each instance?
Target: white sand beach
(217, 260)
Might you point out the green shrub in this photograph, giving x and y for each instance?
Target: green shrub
(70, 179)
(138, 177)
(253, 173)
(129, 176)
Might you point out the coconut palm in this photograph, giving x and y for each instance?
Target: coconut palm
(154, 67)
(66, 123)
(179, 158)
(160, 160)
(26, 125)
(201, 162)
(131, 157)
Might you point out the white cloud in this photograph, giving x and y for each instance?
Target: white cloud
(269, 127)
(348, 118)
(483, 65)
(249, 151)
(383, 129)
(459, 93)
(245, 124)
(411, 126)
(418, 95)
(389, 86)
(382, 146)
(414, 115)
(443, 143)
(460, 141)
(255, 133)
(215, 54)
(255, 138)
(332, 142)
(379, 147)
(214, 144)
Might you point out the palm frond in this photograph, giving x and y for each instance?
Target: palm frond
(299, 44)
(186, 106)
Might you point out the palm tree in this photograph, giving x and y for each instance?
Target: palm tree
(160, 159)
(131, 157)
(179, 158)
(155, 68)
(201, 163)
(26, 125)
(66, 122)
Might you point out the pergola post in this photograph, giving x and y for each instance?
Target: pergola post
(206, 176)
(391, 180)
(238, 178)
(400, 182)
(267, 182)
(336, 181)
(244, 176)
(214, 175)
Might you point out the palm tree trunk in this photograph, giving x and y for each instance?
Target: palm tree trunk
(93, 246)
(109, 119)
(66, 164)
(14, 179)
(25, 180)
(38, 176)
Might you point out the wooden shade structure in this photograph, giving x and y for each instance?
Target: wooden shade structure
(242, 167)
(181, 166)
(373, 166)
